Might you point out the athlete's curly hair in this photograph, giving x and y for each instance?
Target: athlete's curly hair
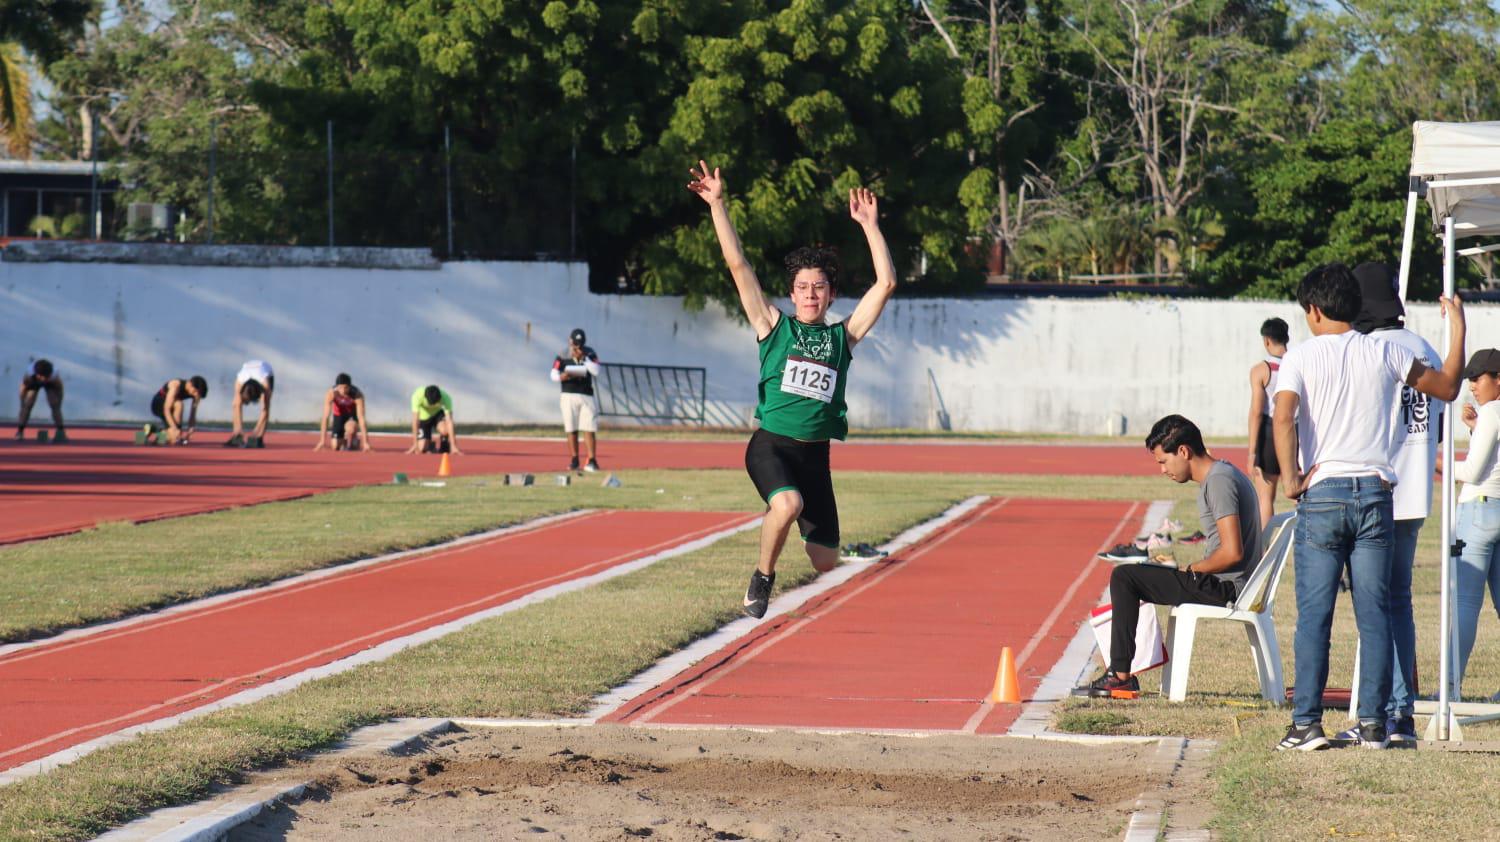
(824, 258)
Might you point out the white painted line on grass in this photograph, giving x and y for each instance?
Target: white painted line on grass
(675, 663)
(282, 584)
(371, 655)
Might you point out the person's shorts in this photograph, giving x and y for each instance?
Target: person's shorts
(429, 425)
(1265, 450)
(342, 421)
(159, 406)
(580, 412)
(777, 463)
(50, 387)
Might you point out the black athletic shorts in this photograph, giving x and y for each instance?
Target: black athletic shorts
(340, 421)
(31, 385)
(1265, 449)
(777, 463)
(428, 426)
(159, 406)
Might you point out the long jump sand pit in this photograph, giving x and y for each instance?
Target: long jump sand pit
(618, 782)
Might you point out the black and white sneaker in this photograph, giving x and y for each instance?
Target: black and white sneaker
(1402, 731)
(1373, 735)
(758, 595)
(1110, 686)
(1303, 738)
(1126, 553)
(592, 466)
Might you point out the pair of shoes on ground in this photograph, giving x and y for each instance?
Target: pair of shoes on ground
(1110, 686)
(591, 467)
(861, 552)
(1400, 732)
(1141, 550)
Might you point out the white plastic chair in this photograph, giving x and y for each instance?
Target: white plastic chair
(1252, 608)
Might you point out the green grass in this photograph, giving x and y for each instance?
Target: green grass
(1263, 794)
(548, 659)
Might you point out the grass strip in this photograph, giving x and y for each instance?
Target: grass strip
(1263, 794)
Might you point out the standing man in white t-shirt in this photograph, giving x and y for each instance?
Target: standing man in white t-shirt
(1415, 420)
(254, 383)
(1337, 389)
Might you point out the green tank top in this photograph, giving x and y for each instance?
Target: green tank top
(803, 369)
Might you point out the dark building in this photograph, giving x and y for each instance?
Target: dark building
(57, 199)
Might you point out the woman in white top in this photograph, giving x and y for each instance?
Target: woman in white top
(1479, 501)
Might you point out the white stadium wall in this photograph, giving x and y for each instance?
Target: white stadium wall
(487, 332)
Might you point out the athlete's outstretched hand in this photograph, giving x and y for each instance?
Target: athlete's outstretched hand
(862, 207)
(708, 185)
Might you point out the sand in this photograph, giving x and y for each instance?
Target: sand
(621, 783)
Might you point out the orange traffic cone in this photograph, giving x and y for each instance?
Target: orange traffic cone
(1007, 686)
(445, 469)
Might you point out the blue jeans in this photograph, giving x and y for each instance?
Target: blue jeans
(1343, 522)
(1479, 529)
(1403, 627)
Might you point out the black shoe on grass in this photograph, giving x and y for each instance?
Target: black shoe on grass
(758, 595)
(1303, 738)
(1110, 686)
(1402, 731)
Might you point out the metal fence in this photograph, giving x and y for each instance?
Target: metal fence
(653, 392)
(439, 195)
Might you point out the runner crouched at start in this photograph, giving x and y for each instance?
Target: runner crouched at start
(432, 428)
(345, 406)
(167, 405)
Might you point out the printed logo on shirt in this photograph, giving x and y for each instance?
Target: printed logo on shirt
(815, 344)
(1415, 410)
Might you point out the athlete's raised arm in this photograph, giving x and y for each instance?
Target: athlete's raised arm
(709, 186)
(864, 209)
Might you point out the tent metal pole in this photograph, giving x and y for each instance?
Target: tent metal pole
(1447, 661)
(1411, 224)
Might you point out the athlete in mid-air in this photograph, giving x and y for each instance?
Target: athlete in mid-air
(804, 365)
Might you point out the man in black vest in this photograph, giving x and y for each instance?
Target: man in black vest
(575, 368)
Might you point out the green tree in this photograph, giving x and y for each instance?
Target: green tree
(17, 127)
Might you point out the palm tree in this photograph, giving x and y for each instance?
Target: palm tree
(17, 128)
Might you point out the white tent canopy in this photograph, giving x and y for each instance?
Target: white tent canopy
(1443, 152)
(1456, 166)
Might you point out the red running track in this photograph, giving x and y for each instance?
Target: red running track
(100, 476)
(913, 644)
(59, 695)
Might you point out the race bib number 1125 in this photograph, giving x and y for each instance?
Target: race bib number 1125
(809, 379)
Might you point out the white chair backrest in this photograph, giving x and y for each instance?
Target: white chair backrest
(1260, 588)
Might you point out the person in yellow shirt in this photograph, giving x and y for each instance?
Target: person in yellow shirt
(432, 422)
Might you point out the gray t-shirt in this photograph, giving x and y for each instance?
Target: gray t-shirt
(1224, 492)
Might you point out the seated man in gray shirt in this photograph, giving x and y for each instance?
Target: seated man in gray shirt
(1228, 514)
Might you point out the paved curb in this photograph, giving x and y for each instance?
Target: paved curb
(211, 819)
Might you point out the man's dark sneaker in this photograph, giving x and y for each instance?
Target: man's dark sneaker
(592, 466)
(1402, 731)
(1110, 686)
(1125, 553)
(573, 464)
(1303, 738)
(1373, 735)
(60, 437)
(758, 595)
(235, 440)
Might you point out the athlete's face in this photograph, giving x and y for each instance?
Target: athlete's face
(811, 295)
(1175, 466)
(1486, 387)
(342, 389)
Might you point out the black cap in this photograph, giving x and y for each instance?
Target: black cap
(1377, 286)
(578, 337)
(1484, 361)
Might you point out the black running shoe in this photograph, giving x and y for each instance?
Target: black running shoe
(235, 440)
(1402, 731)
(573, 464)
(1125, 553)
(60, 437)
(1110, 686)
(592, 466)
(758, 595)
(1373, 735)
(1303, 738)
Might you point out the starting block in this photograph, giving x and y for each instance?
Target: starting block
(520, 479)
(146, 439)
(41, 436)
(611, 481)
(140, 437)
(564, 479)
(399, 479)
